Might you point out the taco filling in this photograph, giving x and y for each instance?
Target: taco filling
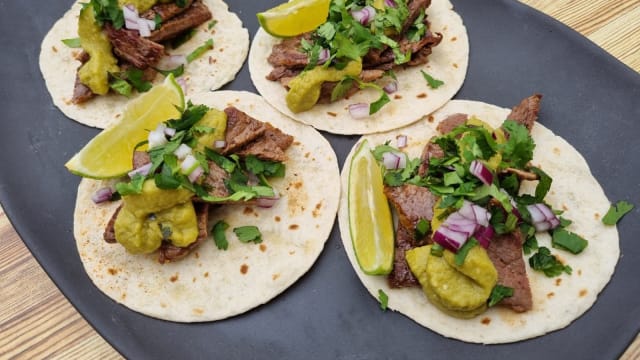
(495, 224)
(124, 42)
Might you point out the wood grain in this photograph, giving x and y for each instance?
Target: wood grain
(36, 321)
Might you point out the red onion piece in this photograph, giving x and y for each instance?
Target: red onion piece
(479, 170)
(196, 173)
(450, 239)
(401, 141)
(393, 161)
(459, 226)
(542, 217)
(142, 170)
(130, 17)
(359, 110)
(219, 144)
(324, 55)
(365, 15)
(391, 87)
(390, 3)
(102, 195)
(266, 202)
(484, 235)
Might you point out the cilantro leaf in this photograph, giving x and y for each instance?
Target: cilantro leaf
(544, 183)
(132, 187)
(200, 50)
(436, 250)
(569, 241)
(341, 88)
(384, 299)
(498, 293)
(191, 115)
(616, 212)
(73, 43)
(219, 236)
(211, 24)
(464, 250)
(177, 72)
(248, 233)
(120, 86)
(107, 11)
(422, 228)
(547, 263)
(432, 82)
(518, 150)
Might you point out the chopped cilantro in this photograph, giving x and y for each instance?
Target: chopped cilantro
(436, 250)
(134, 77)
(498, 293)
(616, 212)
(177, 72)
(431, 81)
(157, 21)
(191, 115)
(384, 299)
(73, 43)
(107, 11)
(547, 263)
(422, 228)
(248, 233)
(120, 86)
(544, 183)
(569, 241)
(132, 187)
(208, 45)
(341, 88)
(219, 236)
(211, 24)
(464, 250)
(518, 150)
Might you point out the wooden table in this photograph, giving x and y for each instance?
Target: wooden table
(37, 321)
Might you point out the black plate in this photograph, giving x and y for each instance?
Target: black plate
(591, 99)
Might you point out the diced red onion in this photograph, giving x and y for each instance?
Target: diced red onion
(479, 170)
(196, 173)
(102, 195)
(171, 62)
(365, 15)
(401, 141)
(142, 170)
(324, 55)
(267, 202)
(542, 217)
(145, 26)
(393, 161)
(484, 235)
(182, 151)
(157, 137)
(359, 110)
(390, 3)
(188, 164)
(133, 21)
(219, 144)
(391, 87)
(450, 239)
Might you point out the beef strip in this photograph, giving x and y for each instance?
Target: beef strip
(195, 15)
(451, 122)
(165, 11)
(140, 158)
(241, 130)
(413, 203)
(169, 252)
(280, 72)
(130, 47)
(109, 234)
(270, 146)
(288, 54)
(215, 180)
(526, 112)
(505, 252)
(415, 8)
(431, 150)
(81, 92)
(401, 275)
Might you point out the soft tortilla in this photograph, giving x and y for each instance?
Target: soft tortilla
(212, 284)
(414, 98)
(556, 301)
(209, 72)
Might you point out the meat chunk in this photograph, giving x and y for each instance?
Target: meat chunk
(451, 122)
(270, 146)
(526, 113)
(140, 158)
(505, 252)
(215, 180)
(169, 252)
(130, 47)
(195, 15)
(81, 92)
(413, 203)
(166, 11)
(431, 150)
(401, 275)
(288, 53)
(241, 130)
(109, 234)
(280, 72)
(415, 8)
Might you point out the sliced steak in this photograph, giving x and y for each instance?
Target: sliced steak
(401, 275)
(215, 181)
(421, 55)
(280, 72)
(165, 11)
(451, 122)
(140, 158)
(288, 54)
(195, 15)
(270, 146)
(526, 113)
(241, 130)
(327, 88)
(431, 150)
(81, 92)
(413, 203)
(130, 47)
(415, 8)
(109, 234)
(169, 252)
(505, 252)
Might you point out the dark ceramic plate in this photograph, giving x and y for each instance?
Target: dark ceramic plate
(591, 99)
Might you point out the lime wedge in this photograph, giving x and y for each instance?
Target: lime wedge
(294, 17)
(109, 154)
(370, 222)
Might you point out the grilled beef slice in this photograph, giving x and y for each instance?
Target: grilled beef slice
(288, 53)
(169, 252)
(166, 11)
(215, 180)
(109, 234)
(401, 275)
(505, 252)
(130, 47)
(526, 113)
(195, 15)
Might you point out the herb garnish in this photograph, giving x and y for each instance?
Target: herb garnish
(616, 212)
(219, 236)
(498, 293)
(547, 263)
(384, 299)
(464, 250)
(107, 11)
(248, 233)
(431, 81)
(569, 241)
(73, 43)
(208, 45)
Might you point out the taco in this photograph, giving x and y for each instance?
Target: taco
(396, 74)
(200, 41)
(488, 214)
(244, 231)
